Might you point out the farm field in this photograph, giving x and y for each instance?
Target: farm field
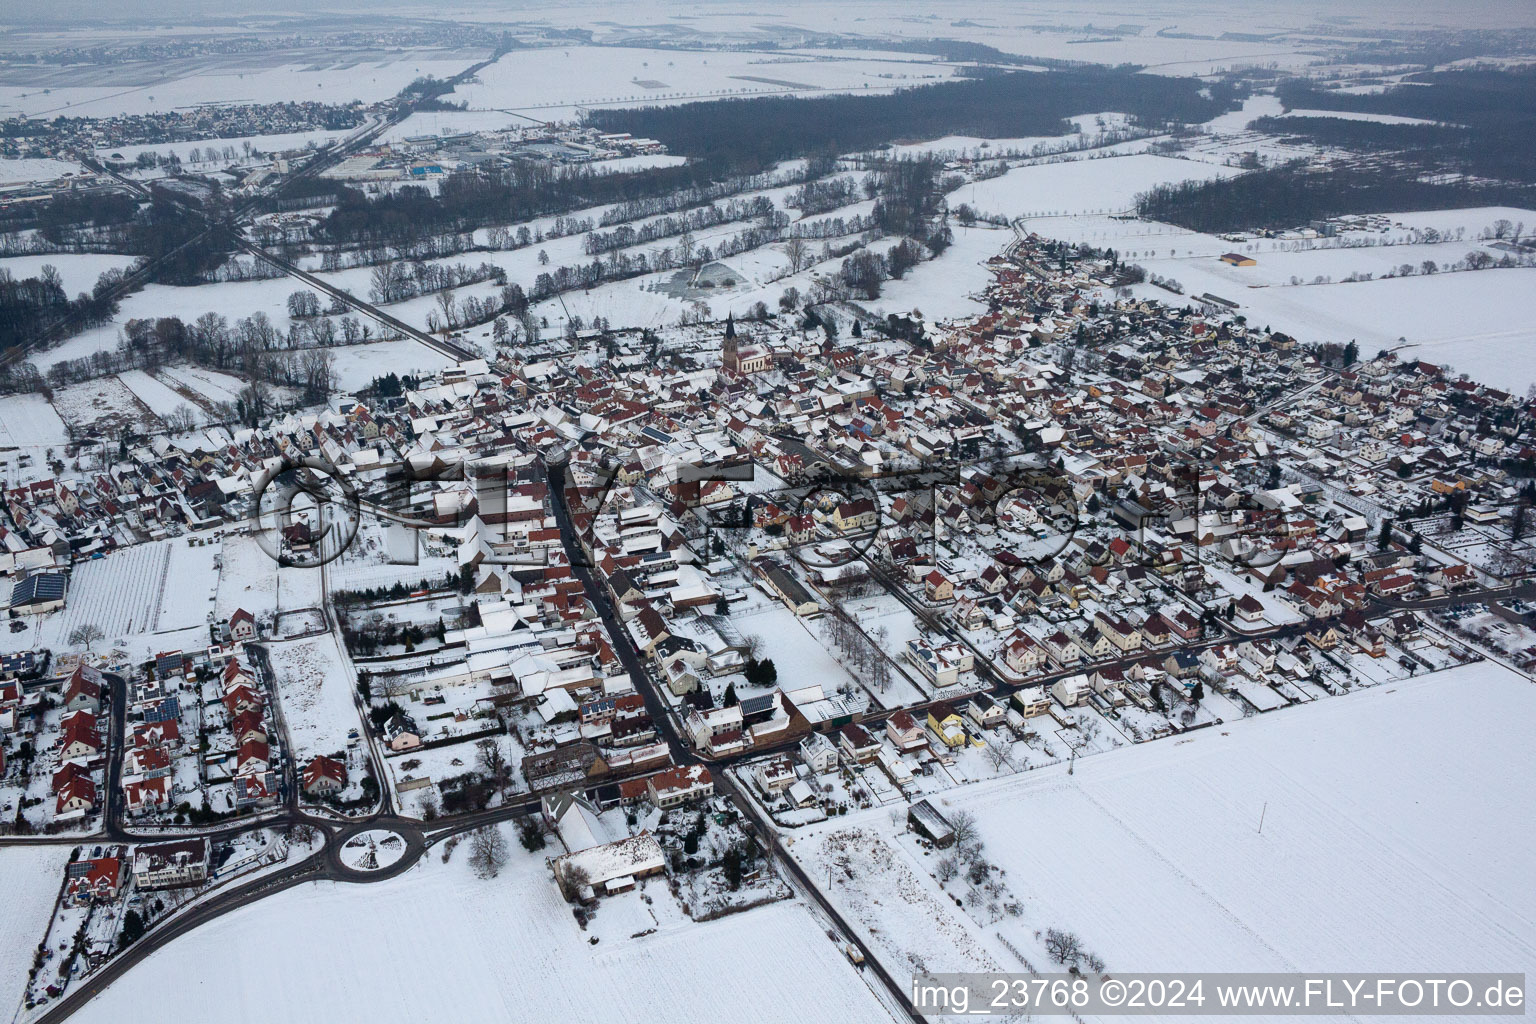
(1383, 844)
(469, 930)
(15, 169)
(28, 421)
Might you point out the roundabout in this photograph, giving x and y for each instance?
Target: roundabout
(369, 853)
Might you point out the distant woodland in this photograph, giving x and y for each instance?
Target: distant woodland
(751, 134)
(1481, 151)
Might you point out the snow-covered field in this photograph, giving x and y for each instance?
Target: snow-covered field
(316, 695)
(33, 876)
(1105, 185)
(1480, 323)
(356, 365)
(439, 944)
(28, 421)
(333, 79)
(78, 271)
(13, 169)
(278, 143)
(548, 83)
(1394, 834)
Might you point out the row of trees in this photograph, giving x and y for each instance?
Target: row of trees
(697, 219)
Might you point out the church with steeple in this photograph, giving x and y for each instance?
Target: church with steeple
(741, 361)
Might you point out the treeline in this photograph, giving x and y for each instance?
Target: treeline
(821, 196)
(712, 192)
(251, 346)
(31, 306)
(113, 222)
(480, 196)
(396, 282)
(740, 135)
(1485, 121)
(1289, 196)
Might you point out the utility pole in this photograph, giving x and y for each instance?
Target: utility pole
(1262, 812)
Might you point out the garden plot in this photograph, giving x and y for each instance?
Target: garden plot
(897, 909)
(122, 592)
(33, 877)
(105, 406)
(646, 955)
(316, 695)
(162, 400)
(200, 387)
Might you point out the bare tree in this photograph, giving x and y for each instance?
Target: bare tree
(967, 834)
(487, 850)
(1063, 947)
(947, 869)
(491, 760)
(572, 877)
(86, 635)
(794, 248)
(997, 756)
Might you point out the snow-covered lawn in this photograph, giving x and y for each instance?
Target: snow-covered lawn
(33, 876)
(247, 579)
(316, 695)
(14, 169)
(437, 943)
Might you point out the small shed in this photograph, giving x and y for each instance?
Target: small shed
(926, 821)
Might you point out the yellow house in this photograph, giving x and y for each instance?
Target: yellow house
(947, 725)
(1237, 259)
